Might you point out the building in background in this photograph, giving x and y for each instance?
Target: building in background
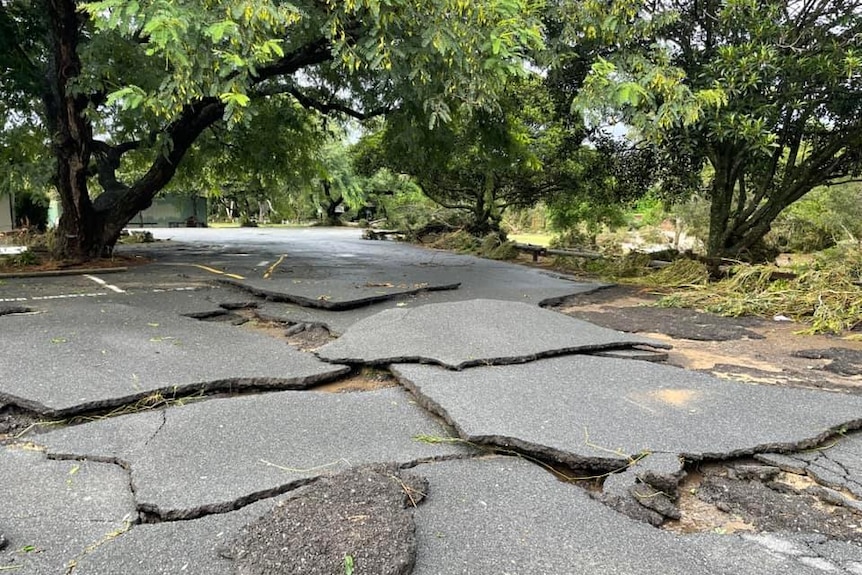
(173, 211)
(168, 211)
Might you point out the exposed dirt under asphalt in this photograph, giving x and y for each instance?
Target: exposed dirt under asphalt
(747, 349)
(717, 496)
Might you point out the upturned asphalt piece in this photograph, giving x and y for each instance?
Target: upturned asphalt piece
(364, 513)
(647, 490)
(188, 301)
(53, 511)
(217, 455)
(82, 356)
(469, 333)
(335, 295)
(602, 412)
(504, 515)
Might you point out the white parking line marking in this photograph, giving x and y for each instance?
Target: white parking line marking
(95, 294)
(102, 282)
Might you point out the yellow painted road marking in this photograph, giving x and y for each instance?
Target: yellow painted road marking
(219, 272)
(268, 273)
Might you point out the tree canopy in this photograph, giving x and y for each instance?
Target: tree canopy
(133, 81)
(768, 92)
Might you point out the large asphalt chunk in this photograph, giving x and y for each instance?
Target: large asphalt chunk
(54, 511)
(87, 355)
(217, 455)
(468, 333)
(333, 294)
(504, 515)
(586, 410)
(360, 518)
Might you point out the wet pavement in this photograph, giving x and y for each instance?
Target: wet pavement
(211, 442)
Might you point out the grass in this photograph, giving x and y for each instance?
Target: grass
(825, 295)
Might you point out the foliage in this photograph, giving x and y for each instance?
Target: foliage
(399, 201)
(26, 169)
(138, 237)
(826, 294)
(769, 93)
(680, 273)
(18, 261)
(31, 209)
(493, 245)
(483, 162)
(606, 181)
(824, 217)
(648, 210)
(572, 238)
(240, 170)
(125, 78)
(332, 186)
(622, 268)
(692, 215)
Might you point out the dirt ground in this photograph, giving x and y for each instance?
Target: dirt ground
(717, 496)
(747, 349)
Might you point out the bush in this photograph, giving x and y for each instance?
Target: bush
(821, 219)
(571, 238)
(31, 209)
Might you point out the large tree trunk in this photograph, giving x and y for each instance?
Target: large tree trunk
(72, 135)
(90, 228)
(738, 232)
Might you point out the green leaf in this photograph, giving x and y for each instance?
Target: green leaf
(235, 99)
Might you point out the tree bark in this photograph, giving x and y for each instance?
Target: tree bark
(72, 133)
(332, 218)
(89, 228)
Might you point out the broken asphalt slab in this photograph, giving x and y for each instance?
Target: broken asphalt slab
(598, 412)
(490, 515)
(193, 547)
(88, 355)
(321, 257)
(334, 295)
(220, 454)
(504, 515)
(837, 465)
(54, 511)
(673, 322)
(361, 518)
(191, 301)
(769, 502)
(843, 361)
(477, 332)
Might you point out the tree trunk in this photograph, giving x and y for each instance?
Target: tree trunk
(90, 228)
(332, 217)
(72, 135)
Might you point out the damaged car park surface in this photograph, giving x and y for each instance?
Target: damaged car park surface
(507, 441)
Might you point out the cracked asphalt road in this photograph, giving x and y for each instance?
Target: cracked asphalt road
(188, 437)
